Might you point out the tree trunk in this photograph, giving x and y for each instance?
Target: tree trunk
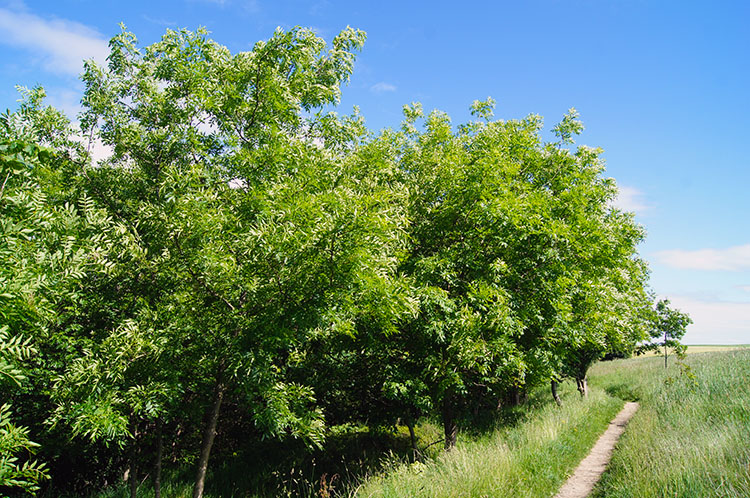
(665, 350)
(513, 396)
(582, 384)
(133, 468)
(173, 452)
(555, 396)
(450, 427)
(209, 433)
(413, 438)
(157, 466)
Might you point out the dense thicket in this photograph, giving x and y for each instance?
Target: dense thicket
(243, 249)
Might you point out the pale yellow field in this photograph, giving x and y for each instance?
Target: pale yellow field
(704, 348)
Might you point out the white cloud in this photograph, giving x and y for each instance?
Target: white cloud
(631, 199)
(237, 183)
(98, 150)
(205, 124)
(60, 45)
(66, 100)
(735, 258)
(318, 8)
(251, 6)
(715, 322)
(383, 87)
(159, 21)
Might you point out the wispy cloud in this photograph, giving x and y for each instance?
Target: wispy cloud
(220, 3)
(318, 8)
(631, 199)
(251, 6)
(715, 322)
(99, 151)
(735, 258)
(248, 6)
(159, 21)
(66, 100)
(58, 44)
(383, 87)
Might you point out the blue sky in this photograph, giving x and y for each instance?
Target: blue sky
(662, 86)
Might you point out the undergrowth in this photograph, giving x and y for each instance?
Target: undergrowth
(690, 438)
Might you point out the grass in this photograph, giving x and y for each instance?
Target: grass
(530, 454)
(691, 436)
(532, 458)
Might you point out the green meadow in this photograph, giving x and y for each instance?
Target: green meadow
(690, 437)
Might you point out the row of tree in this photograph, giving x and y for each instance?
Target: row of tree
(243, 245)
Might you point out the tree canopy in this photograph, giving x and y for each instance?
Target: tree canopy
(244, 247)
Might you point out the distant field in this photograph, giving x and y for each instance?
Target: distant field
(708, 348)
(704, 348)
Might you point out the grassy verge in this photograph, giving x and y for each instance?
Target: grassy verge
(534, 451)
(532, 458)
(691, 436)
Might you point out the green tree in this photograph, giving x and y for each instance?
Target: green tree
(40, 263)
(515, 258)
(594, 281)
(668, 326)
(239, 198)
(609, 314)
(59, 265)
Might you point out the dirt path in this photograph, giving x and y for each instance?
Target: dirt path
(582, 482)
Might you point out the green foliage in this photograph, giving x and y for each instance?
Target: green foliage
(237, 200)
(101, 390)
(13, 350)
(40, 261)
(15, 471)
(521, 268)
(243, 247)
(668, 326)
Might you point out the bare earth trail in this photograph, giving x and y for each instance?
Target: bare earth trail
(591, 468)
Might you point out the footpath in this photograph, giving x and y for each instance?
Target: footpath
(591, 468)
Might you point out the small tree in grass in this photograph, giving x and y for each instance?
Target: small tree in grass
(669, 326)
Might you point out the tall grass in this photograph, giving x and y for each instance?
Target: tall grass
(691, 437)
(532, 458)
